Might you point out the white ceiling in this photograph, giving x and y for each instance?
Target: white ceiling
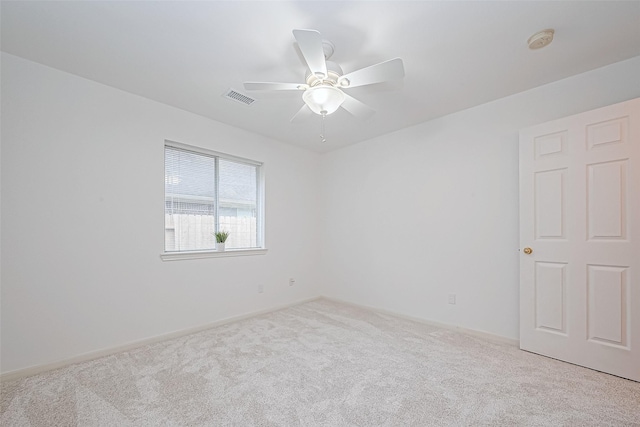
(456, 54)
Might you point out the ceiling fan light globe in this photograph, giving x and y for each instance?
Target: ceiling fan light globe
(323, 99)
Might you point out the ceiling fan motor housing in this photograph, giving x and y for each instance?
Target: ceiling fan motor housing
(334, 72)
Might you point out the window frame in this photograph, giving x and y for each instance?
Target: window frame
(261, 249)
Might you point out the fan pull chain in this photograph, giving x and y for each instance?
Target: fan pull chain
(322, 138)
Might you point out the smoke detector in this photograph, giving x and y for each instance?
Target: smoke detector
(540, 39)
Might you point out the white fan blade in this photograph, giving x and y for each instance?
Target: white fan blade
(388, 70)
(273, 86)
(302, 115)
(310, 43)
(357, 108)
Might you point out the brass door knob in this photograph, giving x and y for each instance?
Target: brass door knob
(528, 251)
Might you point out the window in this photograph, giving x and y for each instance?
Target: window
(206, 192)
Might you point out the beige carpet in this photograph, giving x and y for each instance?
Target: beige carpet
(323, 364)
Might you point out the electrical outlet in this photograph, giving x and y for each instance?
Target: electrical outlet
(292, 281)
(260, 288)
(452, 299)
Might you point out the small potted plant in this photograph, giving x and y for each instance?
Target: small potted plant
(221, 237)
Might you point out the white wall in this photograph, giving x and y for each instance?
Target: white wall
(403, 220)
(415, 215)
(82, 220)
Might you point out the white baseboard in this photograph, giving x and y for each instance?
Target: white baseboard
(481, 334)
(34, 370)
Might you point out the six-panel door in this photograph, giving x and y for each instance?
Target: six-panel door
(580, 215)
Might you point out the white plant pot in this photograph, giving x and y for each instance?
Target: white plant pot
(220, 247)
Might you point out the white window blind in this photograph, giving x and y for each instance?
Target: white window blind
(206, 192)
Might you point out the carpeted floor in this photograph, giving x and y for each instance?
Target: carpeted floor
(323, 364)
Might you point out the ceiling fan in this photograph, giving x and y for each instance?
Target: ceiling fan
(325, 82)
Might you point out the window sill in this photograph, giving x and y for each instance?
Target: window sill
(174, 256)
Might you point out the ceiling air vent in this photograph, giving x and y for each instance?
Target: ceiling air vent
(238, 97)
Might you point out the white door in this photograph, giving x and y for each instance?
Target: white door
(580, 217)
